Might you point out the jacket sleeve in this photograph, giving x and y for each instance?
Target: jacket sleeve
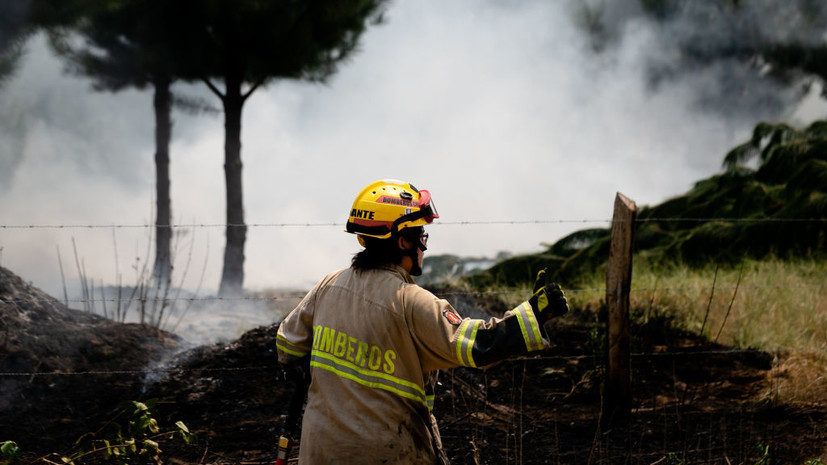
(445, 339)
(294, 339)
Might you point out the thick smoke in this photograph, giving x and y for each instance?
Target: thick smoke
(717, 45)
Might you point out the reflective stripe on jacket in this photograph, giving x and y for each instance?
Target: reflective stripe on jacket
(376, 341)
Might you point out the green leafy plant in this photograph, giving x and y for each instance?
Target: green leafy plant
(596, 342)
(673, 459)
(136, 441)
(9, 452)
(763, 451)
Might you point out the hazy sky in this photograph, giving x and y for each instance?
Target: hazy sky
(502, 112)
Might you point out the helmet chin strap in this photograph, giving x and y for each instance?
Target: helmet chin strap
(416, 270)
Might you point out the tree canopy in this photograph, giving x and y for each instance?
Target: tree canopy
(246, 44)
(755, 56)
(14, 30)
(234, 46)
(132, 43)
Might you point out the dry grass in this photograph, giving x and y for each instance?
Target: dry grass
(776, 306)
(770, 305)
(801, 377)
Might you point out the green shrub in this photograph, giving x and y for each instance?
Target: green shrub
(9, 452)
(136, 441)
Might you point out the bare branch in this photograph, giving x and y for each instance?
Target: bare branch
(213, 88)
(252, 89)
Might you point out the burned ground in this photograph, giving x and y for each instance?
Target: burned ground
(66, 373)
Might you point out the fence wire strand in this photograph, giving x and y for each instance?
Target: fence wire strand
(640, 356)
(445, 223)
(259, 298)
(168, 300)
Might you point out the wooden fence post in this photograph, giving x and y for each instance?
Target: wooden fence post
(617, 396)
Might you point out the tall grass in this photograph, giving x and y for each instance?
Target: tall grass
(768, 304)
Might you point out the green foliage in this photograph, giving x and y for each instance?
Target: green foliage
(673, 459)
(253, 42)
(126, 43)
(763, 451)
(514, 271)
(9, 452)
(765, 138)
(576, 241)
(777, 210)
(14, 31)
(718, 31)
(596, 342)
(136, 441)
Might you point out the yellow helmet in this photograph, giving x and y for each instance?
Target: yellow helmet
(383, 208)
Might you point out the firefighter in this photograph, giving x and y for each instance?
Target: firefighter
(376, 340)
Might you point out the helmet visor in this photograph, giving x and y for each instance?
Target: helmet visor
(426, 205)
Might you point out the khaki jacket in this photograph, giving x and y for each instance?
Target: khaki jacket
(376, 341)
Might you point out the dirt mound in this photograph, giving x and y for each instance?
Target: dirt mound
(231, 395)
(65, 371)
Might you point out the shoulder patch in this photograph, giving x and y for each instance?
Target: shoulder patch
(452, 317)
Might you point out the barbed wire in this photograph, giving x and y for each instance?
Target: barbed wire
(170, 370)
(144, 299)
(535, 358)
(147, 371)
(443, 294)
(445, 223)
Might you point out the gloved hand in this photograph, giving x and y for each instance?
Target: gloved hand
(548, 300)
(299, 373)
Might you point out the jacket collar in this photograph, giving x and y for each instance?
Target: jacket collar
(400, 271)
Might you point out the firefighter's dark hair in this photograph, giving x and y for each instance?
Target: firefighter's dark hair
(380, 253)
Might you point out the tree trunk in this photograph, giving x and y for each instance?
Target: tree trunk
(232, 278)
(163, 211)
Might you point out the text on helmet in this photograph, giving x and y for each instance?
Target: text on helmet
(364, 214)
(396, 201)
